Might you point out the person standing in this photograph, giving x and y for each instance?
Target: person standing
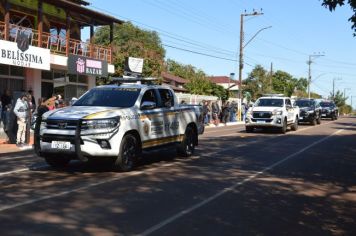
(5, 103)
(215, 112)
(226, 112)
(21, 112)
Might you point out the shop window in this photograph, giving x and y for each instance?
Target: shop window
(72, 78)
(4, 69)
(17, 71)
(47, 74)
(82, 79)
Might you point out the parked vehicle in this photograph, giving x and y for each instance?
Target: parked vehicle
(309, 111)
(329, 110)
(118, 121)
(272, 111)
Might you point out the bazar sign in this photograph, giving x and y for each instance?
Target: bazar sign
(24, 55)
(87, 66)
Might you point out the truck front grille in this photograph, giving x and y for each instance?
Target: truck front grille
(262, 114)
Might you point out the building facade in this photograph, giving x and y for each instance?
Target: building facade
(41, 47)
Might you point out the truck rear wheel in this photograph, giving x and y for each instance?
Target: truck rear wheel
(129, 152)
(57, 161)
(187, 146)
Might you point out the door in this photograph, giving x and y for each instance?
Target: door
(151, 118)
(170, 114)
(290, 110)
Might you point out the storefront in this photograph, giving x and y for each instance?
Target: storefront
(40, 45)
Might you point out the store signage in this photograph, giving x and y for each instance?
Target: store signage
(24, 55)
(87, 66)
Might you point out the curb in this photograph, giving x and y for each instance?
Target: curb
(211, 126)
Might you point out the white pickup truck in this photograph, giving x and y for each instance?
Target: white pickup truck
(118, 121)
(272, 111)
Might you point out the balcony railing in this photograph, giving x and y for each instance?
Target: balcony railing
(58, 44)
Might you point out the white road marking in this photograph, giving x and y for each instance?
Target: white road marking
(24, 169)
(15, 157)
(232, 187)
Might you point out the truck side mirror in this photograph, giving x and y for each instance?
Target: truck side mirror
(148, 105)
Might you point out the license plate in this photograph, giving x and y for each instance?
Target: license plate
(261, 121)
(323, 114)
(60, 145)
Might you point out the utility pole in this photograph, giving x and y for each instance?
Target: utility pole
(270, 78)
(241, 63)
(309, 62)
(334, 87)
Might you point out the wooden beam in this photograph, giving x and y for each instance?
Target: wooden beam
(7, 20)
(68, 20)
(40, 23)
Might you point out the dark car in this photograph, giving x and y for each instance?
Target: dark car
(309, 111)
(329, 110)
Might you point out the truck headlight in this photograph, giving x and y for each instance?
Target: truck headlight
(100, 125)
(278, 113)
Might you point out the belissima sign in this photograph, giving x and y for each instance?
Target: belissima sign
(87, 66)
(17, 54)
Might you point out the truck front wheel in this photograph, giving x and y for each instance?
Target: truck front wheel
(284, 127)
(129, 152)
(187, 146)
(57, 161)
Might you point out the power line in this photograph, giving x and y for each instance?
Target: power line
(199, 53)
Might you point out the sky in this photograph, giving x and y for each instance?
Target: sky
(299, 29)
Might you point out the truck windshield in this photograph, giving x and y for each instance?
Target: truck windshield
(326, 104)
(109, 97)
(269, 102)
(302, 103)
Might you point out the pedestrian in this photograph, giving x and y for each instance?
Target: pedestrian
(6, 100)
(226, 112)
(21, 112)
(206, 112)
(233, 111)
(32, 100)
(215, 113)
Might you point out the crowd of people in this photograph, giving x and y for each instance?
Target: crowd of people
(16, 115)
(215, 114)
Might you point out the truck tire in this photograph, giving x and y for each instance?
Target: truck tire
(57, 162)
(187, 146)
(128, 154)
(294, 127)
(284, 127)
(249, 129)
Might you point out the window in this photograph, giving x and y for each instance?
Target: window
(166, 97)
(288, 102)
(149, 96)
(109, 97)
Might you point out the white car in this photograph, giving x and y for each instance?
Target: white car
(117, 121)
(272, 111)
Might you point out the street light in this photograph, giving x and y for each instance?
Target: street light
(242, 46)
(309, 62)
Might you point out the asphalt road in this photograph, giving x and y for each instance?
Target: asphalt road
(237, 183)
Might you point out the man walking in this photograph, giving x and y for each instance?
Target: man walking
(21, 112)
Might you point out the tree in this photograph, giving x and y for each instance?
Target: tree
(333, 4)
(339, 98)
(257, 82)
(131, 41)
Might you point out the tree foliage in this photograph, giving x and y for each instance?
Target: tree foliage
(260, 82)
(131, 41)
(333, 4)
(197, 80)
(338, 98)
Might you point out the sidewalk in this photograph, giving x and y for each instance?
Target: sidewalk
(11, 148)
(223, 125)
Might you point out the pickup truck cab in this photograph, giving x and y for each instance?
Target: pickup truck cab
(272, 112)
(117, 121)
